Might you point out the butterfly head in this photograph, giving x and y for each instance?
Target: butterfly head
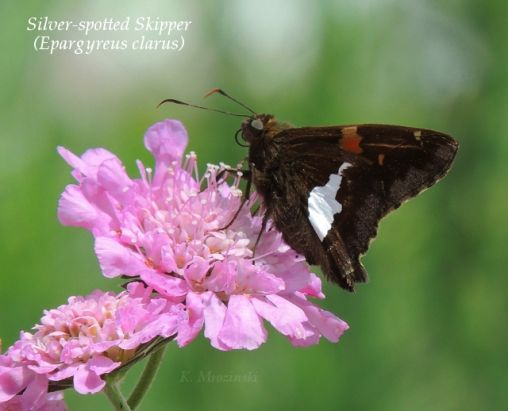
(255, 127)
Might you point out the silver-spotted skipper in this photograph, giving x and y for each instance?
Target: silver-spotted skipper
(326, 188)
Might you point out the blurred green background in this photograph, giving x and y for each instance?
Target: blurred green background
(429, 330)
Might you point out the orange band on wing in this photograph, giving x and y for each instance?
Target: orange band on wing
(350, 140)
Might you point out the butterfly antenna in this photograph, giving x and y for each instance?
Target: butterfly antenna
(183, 103)
(220, 91)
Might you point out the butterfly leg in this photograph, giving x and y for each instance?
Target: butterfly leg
(248, 175)
(266, 216)
(225, 170)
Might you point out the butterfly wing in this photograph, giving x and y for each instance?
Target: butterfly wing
(332, 185)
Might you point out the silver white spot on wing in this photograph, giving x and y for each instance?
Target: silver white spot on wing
(322, 204)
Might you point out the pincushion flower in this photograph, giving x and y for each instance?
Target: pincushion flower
(49, 402)
(84, 340)
(167, 229)
(22, 389)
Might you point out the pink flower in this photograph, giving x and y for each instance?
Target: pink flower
(167, 229)
(52, 401)
(85, 339)
(22, 389)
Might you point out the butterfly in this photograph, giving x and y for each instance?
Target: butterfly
(327, 188)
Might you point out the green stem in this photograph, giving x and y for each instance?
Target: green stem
(147, 377)
(115, 397)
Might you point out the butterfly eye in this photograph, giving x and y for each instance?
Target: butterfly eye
(257, 124)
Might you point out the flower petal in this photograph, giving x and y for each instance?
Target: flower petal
(242, 326)
(197, 270)
(111, 176)
(191, 320)
(86, 381)
(92, 159)
(12, 381)
(54, 402)
(329, 325)
(286, 317)
(214, 311)
(35, 393)
(313, 287)
(102, 365)
(170, 287)
(64, 372)
(75, 210)
(166, 140)
(87, 378)
(115, 259)
(252, 279)
(70, 158)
